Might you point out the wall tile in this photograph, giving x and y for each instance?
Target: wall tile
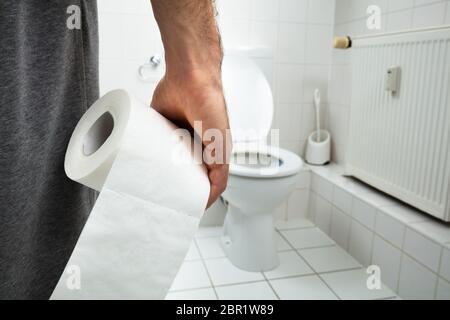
(422, 249)
(360, 245)
(293, 10)
(445, 264)
(364, 213)
(443, 290)
(340, 228)
(388, 258)
(390, 229)
(416, 281)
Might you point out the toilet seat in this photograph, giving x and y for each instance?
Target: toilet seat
(283, 163)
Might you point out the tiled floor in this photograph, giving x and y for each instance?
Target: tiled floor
(312, 267)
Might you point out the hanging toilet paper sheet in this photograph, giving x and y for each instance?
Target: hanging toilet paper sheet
(153, 194)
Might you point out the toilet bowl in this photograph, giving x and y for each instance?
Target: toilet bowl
(261, 176)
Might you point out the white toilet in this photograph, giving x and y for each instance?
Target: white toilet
(261, 176)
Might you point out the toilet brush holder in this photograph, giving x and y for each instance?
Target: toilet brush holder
(318, 151)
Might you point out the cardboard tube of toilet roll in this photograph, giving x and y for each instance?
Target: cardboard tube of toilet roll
(342, 42)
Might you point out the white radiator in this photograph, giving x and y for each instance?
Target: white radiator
(400, 143)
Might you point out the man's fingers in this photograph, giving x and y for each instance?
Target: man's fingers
(218, 177)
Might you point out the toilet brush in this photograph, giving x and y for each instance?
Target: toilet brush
(318, 151)
(317, 106)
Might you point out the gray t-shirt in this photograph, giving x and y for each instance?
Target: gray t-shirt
(48, 78)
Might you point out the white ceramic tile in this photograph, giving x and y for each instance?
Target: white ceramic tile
(291, 40)
(322, 187)
(291, 264)
(293, 10)
(352, 285)
(443, 290)
(265, 9)
(198, 294)
(401, 20)
(192, 253)
(405, 214)
(248, 291)
(431, 15)
(397, 5)
(192, 275)
(340, 228)
(445, 264)
(234, 32)
(329, 259)
(209, 232)
(435, 230)
(319, 38)
(289, 84)
(315, 77)
(416, 281)
(264, 33)
(223, 272)
(322, 213)
(321, 11)
(388, 258)
(422, 249)
(283, 225)
(298, 204)
(342, 200)
(307, 238)
(303, 288)
(304, 179)
(390, 228)
(360, 243)
(234, 9)
(364, 213)
(378, 199)
(282, 245)
(210, 247)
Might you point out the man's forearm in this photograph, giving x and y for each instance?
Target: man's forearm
(189, 34)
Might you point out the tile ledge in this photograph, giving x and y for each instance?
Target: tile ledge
(409, 216)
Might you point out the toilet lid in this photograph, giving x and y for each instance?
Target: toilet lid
(249, 99)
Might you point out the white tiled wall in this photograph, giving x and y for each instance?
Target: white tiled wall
(411, 249)
(298, 31)
(351, 20)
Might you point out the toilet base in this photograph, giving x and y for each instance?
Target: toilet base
(249, 240)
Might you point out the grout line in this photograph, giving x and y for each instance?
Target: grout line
(271, 287)
(441, 256)
(207, 271)
(317, 275)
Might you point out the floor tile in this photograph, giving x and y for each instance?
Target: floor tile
(303, 288)
(282, 245)
(329, 259)
(307, 238)
(208, 232)
(293, 224)
(223, 272)
(291, 264)
(352, 285)
(192, 253)
(198, 294)
(248, 291)
(211, 247)
(192, 275)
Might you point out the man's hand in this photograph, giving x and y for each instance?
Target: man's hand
(191, 89)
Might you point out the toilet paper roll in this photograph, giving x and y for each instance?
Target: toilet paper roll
(153, 193)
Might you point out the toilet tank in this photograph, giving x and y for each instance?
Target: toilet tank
(262, 56)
